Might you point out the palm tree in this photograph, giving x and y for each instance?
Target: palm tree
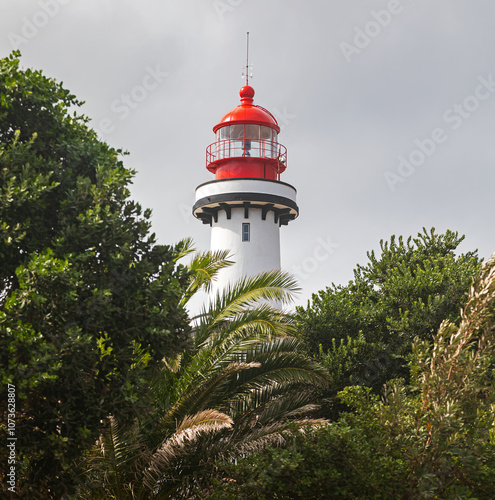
(242, 381)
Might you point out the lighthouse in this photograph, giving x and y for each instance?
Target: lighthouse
(247, 203)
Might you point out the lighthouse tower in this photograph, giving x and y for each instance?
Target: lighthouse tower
(247, 203)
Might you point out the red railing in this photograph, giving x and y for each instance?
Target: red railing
(246, 148)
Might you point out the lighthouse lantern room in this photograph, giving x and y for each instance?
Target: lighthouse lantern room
(247, 202)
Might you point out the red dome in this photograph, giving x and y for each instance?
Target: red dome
(247, 112)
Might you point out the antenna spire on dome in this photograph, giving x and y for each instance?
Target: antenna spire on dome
(246, 71)
(247, 58)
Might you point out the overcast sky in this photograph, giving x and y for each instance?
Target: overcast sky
(387, 108)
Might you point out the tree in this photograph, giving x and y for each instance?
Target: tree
(89, 303)
(432, 439)
(364, 331)
(233, 391)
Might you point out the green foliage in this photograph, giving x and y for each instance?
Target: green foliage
(365, 330)
(89, 304)
(232, 392)
(321, 463)
(432, 439)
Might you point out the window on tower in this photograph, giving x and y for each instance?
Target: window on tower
(246, 231)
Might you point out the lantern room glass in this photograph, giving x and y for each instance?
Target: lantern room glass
(246, 140)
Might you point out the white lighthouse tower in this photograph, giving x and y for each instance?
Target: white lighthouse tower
(247, 203)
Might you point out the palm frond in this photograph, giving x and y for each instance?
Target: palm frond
(266, 406)
(205, 417)
(269, 435)
(284, 360)
(204, 269)
(240, 384)
(262, 319)
(182, 443)
(276, 286)
(277, 361)
(114, 463)
(173, 364)
(183, 248)
(203, 394)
